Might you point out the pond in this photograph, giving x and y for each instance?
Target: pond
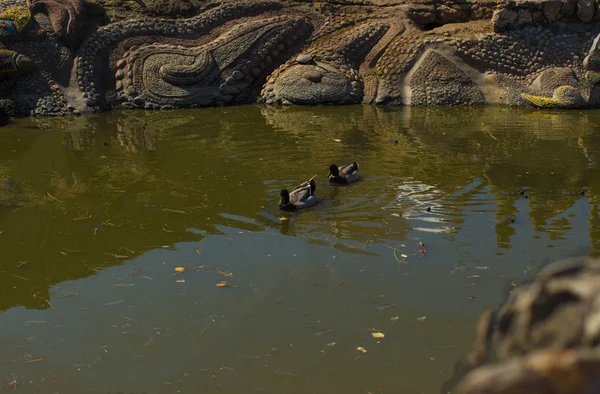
(96, 212)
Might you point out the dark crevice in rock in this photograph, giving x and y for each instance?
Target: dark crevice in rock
(547, 304)
(431, 26)
(504, 323)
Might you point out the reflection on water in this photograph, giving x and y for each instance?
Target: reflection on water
(97, 211)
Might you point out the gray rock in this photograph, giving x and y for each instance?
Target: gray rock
(313, 76)
(524, 18)
(238, 75)
(567, 10)
(585, 10)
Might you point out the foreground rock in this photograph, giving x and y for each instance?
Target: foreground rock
(65, 57)
(544, 339)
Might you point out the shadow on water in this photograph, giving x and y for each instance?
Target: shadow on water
(122, 198)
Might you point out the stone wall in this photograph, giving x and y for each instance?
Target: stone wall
(67, 57)
(513, 14)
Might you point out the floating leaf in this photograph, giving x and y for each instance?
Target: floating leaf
(473, 276)
(179, 269)
(283, 219)
(421, 318)
(222, 284)
(377, 335)
(403, 255)
(331, 344)
(395, 318)
(227, 274)
(361, 349)
(337, 140)
(180, 280)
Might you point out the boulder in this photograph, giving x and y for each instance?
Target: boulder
(544, 339)
(421, 14)
(551, 10)
(524, 18)
(504, 19)
(567, 9)
(586, 10)
(447, 14)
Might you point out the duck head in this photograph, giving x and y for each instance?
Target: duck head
(284, 198)
(334, 170)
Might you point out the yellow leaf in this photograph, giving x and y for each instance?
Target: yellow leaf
(227, 274)
(337, 140)
(181, 281)
(222, 284)
(361, 349)
(403, 255)
(179, 269)
(283, 219)
(377, 334)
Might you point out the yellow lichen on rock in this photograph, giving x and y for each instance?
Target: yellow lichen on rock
(563, 97)
(21, 16)
(542, 102)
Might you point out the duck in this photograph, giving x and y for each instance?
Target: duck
(344, 174)
(301, 197)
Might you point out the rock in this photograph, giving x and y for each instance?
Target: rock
(313, 76)
(567, 9)
(139, 101)
(585, 10)
(439, 81)
(538, 16)
(504, 19)
(447, 14)
(544, 338)
(238, 75)
(422, 14)
(304, 59)
(570, 96)
(524, 18)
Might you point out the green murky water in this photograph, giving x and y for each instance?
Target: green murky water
(96, 213)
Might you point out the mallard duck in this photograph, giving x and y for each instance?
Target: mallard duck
(301, 197)
(344, 174)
